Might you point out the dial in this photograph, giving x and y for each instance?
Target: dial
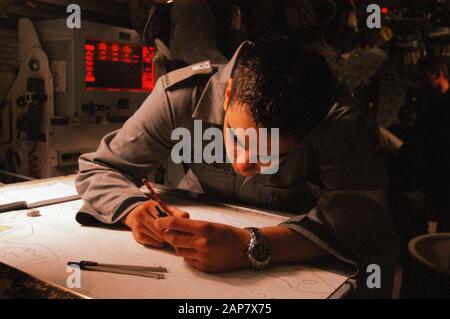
(261, 252)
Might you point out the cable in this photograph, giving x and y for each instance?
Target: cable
(151, 14)
(144, 41)
(33, 162)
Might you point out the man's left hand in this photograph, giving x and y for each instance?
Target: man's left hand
(210, 247)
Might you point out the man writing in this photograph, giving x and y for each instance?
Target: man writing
(330, 176)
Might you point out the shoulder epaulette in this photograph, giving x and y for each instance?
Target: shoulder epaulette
(177, 76)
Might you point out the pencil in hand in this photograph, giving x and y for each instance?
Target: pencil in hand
(154, 196)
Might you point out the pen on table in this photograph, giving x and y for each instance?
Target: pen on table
(13, 206)
(155, 197)
(145, 271)
(24, 205)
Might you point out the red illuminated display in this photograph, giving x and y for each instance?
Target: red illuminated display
(90, 51)
(148, 70)
(119, 67)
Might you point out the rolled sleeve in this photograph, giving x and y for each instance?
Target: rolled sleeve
(351, 220)
(350, 227)
(108, 179)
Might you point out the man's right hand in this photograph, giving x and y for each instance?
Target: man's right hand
(141, 221)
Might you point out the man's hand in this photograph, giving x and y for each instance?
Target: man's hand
(207, 246)
(142, 219)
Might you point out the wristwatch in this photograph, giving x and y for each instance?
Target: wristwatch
(259, 250)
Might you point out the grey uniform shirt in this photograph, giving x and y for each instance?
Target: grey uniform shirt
(333, 185)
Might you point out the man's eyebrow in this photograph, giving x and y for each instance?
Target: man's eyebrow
(227, 124)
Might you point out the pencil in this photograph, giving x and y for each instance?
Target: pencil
(154, 195)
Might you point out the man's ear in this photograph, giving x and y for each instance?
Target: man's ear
(226, 100)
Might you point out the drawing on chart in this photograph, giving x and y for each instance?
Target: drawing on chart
(17, 247)
(232, 216)
(56, 238)
(4, 228)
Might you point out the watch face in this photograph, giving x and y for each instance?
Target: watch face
(261, 252)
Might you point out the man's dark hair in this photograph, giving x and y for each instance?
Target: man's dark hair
(284, 85)
(434, 65)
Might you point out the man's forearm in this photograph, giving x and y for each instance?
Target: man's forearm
(289, 246)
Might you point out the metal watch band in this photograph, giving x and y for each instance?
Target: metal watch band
(257, 238)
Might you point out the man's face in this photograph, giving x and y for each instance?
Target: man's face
(239, 117)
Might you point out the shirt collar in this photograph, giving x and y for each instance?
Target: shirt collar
(210, 105)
